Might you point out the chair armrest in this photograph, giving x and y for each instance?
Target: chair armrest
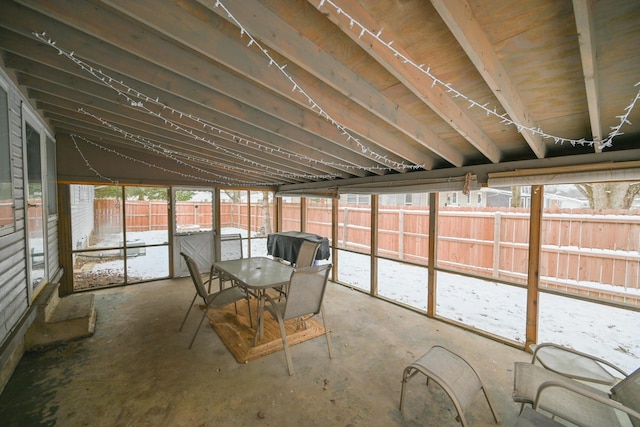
(571, 401)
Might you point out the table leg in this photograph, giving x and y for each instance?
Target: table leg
(259, 334)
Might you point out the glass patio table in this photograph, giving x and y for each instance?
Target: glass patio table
(257, 274)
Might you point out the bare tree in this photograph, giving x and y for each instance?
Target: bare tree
(516, 196)
(235, 196)
(610, 195)
(266, 212)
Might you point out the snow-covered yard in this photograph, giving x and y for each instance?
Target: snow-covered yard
(597, 329)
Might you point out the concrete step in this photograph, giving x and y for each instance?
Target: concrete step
(74, 317)
(47, 301)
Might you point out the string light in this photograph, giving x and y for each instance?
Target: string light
(177, 155)
(608, 142)
(86, 162)
(151, 165)
(138, 99)
(313, 104)
(158, 148)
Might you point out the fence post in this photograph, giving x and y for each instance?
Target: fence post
(401, 234)
(345, 221)
(497, 225)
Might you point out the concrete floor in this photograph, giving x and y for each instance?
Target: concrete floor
(137, 371)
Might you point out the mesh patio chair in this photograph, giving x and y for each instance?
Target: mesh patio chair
(576, 401)
(307, 254)
(627, 392)
(583, 407)
(230, 249)
(306, 257)
(451, 372)
(218, 299)
(303, 301)
(566, 362)
(576, 364)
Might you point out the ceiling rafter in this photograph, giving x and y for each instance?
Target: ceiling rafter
(281, 89)
(434, 97)
(276, 33)
(74, 80)
(252, 65)
(463, 25)
(178, 61)
(586, 38)
(88, 93)
(179, 85)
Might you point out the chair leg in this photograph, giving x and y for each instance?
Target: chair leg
(287, 353)
(188, 311)
(405, 379)
(326, 331)
(495, 416)
(198, 328)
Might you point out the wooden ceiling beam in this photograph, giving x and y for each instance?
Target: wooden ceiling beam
(463, 25)
(106, 154)
(225, 112)
(129, 65)
(76, 92)
(289, 42)
(77, 95)
(166, 56)
(255, 66)
(53, 105)
(415, 80)
(242, 169)
(586, 38)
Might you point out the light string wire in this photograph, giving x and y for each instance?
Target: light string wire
(314, 106)
(74, 136)
(91, 168)
(162, 168)
(176, 155)
(608, 142)
(125, 90)
(158, 149)
(128, 92)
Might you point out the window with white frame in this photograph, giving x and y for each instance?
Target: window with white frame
(52, 198)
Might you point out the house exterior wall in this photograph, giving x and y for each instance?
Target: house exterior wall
(16, 293)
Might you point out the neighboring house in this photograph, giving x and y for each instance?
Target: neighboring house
(561, 197)
(82, 209)
(29, 227)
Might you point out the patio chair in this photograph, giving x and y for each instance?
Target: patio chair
(576, 364)
(451, 372)
(303, 301)
(230, 249)
(307, 254)
(306, 257)
(567, 362)
(575, 401)
(218, 299)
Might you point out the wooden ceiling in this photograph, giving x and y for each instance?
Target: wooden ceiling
(297, 93)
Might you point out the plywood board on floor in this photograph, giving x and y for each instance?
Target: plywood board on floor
(237, 334)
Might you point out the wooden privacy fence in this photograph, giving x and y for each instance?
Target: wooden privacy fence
(596, 253)
(147, 215)
(583, 251)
